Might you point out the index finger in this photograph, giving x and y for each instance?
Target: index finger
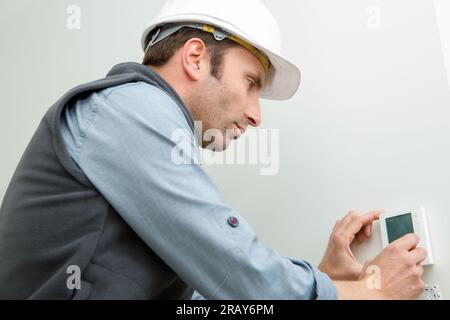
(371, 216)
(355, 225)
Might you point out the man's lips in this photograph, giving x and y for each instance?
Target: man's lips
(240, 128)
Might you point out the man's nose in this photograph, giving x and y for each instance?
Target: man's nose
(253, 114)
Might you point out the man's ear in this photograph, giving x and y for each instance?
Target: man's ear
(194, 58)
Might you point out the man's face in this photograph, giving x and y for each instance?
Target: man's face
(227, 106)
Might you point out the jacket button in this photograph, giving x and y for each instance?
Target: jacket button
(233, 222)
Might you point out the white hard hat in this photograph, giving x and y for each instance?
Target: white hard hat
(247, 22)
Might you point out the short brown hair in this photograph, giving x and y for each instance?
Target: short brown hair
(160, 53)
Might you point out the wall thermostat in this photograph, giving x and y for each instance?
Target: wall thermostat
(397, 223)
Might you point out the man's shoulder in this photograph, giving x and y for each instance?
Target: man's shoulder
(137, 92)
(145, 101)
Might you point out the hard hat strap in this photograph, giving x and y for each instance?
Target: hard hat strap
(219, 36)
(169, 29)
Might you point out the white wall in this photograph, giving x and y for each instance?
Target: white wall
(368, 129)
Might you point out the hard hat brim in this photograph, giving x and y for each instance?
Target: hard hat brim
(283, 78)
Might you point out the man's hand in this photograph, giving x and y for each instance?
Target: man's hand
(339, 262)
(400, 269)
(397, 273)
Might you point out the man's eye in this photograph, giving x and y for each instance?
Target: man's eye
(251, 83)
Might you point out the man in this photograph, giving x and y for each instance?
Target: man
(101, 193)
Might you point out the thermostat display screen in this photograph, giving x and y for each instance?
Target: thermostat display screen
(399, 226)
